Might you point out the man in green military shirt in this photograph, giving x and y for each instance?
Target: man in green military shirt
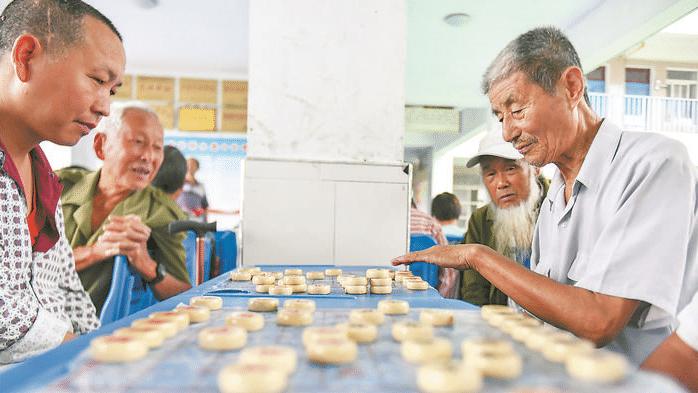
(506, 224)
(115, 210)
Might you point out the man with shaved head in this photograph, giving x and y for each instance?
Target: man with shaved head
(116, 211)
(60, 61)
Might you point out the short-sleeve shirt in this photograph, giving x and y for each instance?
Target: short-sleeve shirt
(41, 296)
(628, 230)
(155, 209)
(688, 324)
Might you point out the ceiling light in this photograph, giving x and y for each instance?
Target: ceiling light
(457, 19)
(148, 4)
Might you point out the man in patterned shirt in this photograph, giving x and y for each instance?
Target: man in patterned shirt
(60, 61)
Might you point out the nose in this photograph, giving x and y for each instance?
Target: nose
(501, 181)
(509, 131)
(101, 105)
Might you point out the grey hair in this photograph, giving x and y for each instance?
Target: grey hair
(113, 123)
(542, 54)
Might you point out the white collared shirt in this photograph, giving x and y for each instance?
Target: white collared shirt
(688, 324)
(628, 230)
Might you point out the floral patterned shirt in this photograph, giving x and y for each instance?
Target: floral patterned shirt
(41, 296)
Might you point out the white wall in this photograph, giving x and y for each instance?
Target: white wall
(327, 80)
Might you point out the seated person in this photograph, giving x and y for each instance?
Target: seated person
(506, 224)
(614, 256)
(170, 177)
(52, 89)
(423, 224)
(445, 207)
(115, 210)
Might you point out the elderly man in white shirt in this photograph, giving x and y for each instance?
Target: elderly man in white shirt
(614, 253)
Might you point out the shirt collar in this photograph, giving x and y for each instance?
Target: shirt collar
(48, 192)
(83, 191)
(596, 162)
(600, 155)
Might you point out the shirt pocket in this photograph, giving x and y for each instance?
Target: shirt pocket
(578, 268)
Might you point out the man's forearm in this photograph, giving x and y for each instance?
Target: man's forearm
(84, 257)
(587, 314)
(168, 287)
(675, 358)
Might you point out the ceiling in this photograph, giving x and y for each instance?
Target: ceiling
(209, 38)
(444, 63)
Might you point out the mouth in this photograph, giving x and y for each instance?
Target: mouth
(523, 148)
(141, 172)
(507, 197)
(86, 126)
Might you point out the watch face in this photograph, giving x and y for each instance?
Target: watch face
(161, 269)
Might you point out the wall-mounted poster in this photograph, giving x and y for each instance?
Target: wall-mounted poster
(155, 89)
(235, 93)
(197, 119)
(204, 91)
(234, 119)
(220, 161)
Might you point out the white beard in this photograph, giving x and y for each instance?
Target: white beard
(513, 227)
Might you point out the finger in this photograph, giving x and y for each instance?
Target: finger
(112, 236)
(409, 258)
(133, 218)
(115, 226)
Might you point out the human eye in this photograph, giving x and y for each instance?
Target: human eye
(98, 80)
(518, 114)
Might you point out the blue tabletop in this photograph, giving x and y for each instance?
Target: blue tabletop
(180, 365)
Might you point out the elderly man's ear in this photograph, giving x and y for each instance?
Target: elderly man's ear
(572, 80)
(25, 50)
(98, 145)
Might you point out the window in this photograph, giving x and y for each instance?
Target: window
(596, 80)
(682, 84)
(637, 81)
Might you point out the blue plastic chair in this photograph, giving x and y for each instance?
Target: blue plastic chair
(226, 250)
(427, 271)
(454, 239)
(127, 294)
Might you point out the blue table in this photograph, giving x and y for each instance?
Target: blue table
(222, 286)
(179, 365)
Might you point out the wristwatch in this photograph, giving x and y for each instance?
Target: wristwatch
(160, 273)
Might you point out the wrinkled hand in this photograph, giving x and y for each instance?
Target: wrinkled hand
(127, 235)
(456, 256)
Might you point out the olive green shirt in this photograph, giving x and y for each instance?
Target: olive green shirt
(154, 208)
(474, 288)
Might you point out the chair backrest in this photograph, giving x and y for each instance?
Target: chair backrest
(127, 294)
(429, 272)
(118, 301)
(226, 250)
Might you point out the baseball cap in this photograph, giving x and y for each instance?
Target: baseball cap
(493, 144)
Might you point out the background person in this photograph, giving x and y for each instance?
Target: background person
(115, 210)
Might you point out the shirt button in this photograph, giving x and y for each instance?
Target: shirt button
(564, 225)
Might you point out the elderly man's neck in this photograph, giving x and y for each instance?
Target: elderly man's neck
(111, 191)
(570, 162)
